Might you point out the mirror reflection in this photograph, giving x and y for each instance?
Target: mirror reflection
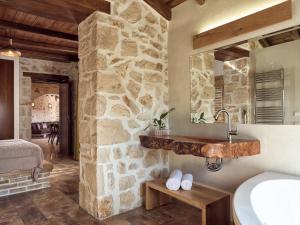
(255, 81)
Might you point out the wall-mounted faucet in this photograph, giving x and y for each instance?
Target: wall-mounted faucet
(230, 131)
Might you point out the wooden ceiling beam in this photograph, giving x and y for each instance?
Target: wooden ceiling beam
(96, 5)
(174, 3)
(295, 34)
(162, 8)
(264, 42)
(27, 44)
(275, 14)
(59, 10)
(37, 30)
(201, 2)
(49, 78)
(231, 53)
(46, 56)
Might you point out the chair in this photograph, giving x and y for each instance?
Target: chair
(51, 133)
(54, 134)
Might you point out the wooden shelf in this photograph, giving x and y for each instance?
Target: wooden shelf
(214, 205)
(210, 148)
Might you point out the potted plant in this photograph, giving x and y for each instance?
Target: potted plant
(198, 118)
(159, 124)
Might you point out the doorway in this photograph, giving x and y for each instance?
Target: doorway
(51, 115)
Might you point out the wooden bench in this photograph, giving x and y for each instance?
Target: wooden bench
(215, 205)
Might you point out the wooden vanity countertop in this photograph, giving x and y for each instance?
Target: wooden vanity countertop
(201, 147)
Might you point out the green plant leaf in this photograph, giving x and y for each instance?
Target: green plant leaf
(147, 127)
(164, 115)
(202, 115)
(155, 122)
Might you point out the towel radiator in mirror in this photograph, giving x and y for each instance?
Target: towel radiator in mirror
(269, 97)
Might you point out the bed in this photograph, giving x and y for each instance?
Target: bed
(18, 155)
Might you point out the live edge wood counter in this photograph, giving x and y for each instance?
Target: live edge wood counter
(214, 205)
(210, 148)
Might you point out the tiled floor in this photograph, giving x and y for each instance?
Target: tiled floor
(58, 205)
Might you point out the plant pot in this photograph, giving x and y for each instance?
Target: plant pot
(164, 132)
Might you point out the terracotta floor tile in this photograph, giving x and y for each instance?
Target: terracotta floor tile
(58, 205)
(12, 221)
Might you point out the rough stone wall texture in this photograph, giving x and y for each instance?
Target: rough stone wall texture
(39, 89)
(237, 89)
(123, 84)
(42, 112)
(203, 86)
(46, 67)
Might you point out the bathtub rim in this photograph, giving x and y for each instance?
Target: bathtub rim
(243, 212)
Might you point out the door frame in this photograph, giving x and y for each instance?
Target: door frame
(55, 79)
(16, 94)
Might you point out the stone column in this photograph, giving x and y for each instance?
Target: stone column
(25, 108)
(123, 84)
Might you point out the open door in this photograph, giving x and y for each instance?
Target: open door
(64, 119)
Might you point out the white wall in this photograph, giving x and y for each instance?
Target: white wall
(284, 56)
(280, 145)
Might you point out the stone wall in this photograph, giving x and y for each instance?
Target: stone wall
(237, 89)
(123, 84)
(41, 112)
(39, 89)
(202, 86)
(46, 67)
(42, 95)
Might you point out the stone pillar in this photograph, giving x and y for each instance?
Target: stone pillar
(123, 84)
(25, 108)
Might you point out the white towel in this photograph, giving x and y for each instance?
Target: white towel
(187, 182)
(174, 181)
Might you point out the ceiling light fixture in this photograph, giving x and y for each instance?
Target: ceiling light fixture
(9, 50)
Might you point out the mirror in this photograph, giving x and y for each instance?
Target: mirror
(256, 81)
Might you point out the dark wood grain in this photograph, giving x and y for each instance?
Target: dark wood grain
(31, 49)
(6, 99)
(231, 53)
(264, 18)
(162, 8)
(64, 119)
(38, 30)
(48, 56)
(211, 148)
(60, 10)
(96, 5)
(201, 2)
(174, 3)
(46, 78)
(39, 46)
(33, 42)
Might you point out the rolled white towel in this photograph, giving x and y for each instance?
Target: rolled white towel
(174, 181)
(187, 182)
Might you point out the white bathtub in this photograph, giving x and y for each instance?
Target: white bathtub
(268, 199)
